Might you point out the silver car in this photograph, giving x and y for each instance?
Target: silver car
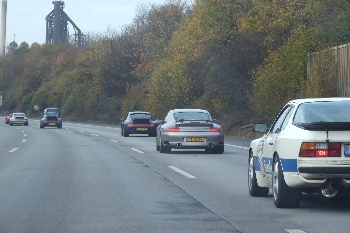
(189, 129)
(18, 118)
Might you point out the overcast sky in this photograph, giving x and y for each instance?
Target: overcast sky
(26, 18)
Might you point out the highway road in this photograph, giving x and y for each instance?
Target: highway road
(88, 178)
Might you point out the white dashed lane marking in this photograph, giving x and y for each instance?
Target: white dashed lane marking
(241, 147)
(13, 150)
(138, 151)
(182, 172)
(24, 140)
(294, 231)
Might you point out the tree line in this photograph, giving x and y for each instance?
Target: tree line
(242, 60)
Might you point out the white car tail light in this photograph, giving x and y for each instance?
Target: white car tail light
(320, 149)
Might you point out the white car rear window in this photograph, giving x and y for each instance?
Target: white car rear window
(336, 111)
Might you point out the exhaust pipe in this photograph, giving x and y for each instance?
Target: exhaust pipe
(330, 188)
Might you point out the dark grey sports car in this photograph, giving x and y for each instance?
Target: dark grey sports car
(138, 123)
(51, 117)
(189, 129)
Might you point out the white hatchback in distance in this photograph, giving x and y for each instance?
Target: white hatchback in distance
(306, 150)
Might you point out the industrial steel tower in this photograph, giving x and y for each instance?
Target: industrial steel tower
(57, 26)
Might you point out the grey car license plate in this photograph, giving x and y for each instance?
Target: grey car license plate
(194, 139)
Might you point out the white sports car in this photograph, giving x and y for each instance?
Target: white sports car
(306, 150)
(18, 118)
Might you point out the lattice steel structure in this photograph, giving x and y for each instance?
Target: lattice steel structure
(57, 26)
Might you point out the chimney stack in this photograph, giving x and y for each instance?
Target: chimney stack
(3, 28)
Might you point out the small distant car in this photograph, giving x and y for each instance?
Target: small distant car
(51, 117)
(7, 118)
(306, 150)
(138, 123)
(189, 129)
(18, 118)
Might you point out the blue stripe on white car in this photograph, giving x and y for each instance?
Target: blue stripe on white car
(264, 165)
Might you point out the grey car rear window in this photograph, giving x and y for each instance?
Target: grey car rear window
(332, 111)
(191, 116)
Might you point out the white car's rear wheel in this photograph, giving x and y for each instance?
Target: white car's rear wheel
(254, 189)
(283, 195)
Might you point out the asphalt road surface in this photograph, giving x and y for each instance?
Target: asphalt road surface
(88, 178)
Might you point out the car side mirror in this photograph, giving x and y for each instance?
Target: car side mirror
(260, 127)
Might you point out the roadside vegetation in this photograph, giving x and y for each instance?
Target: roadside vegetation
(241, 60)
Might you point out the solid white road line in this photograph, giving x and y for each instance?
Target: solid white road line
(241, 147)
(182, 172)
(13, 150)
(138, 151)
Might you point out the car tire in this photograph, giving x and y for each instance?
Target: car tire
(283, 195)
(125, 134)
(59, 127)
(254, 189)
(162, 148)
(157, 145)
(121, 131)
(219, 150)
(11, 124)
